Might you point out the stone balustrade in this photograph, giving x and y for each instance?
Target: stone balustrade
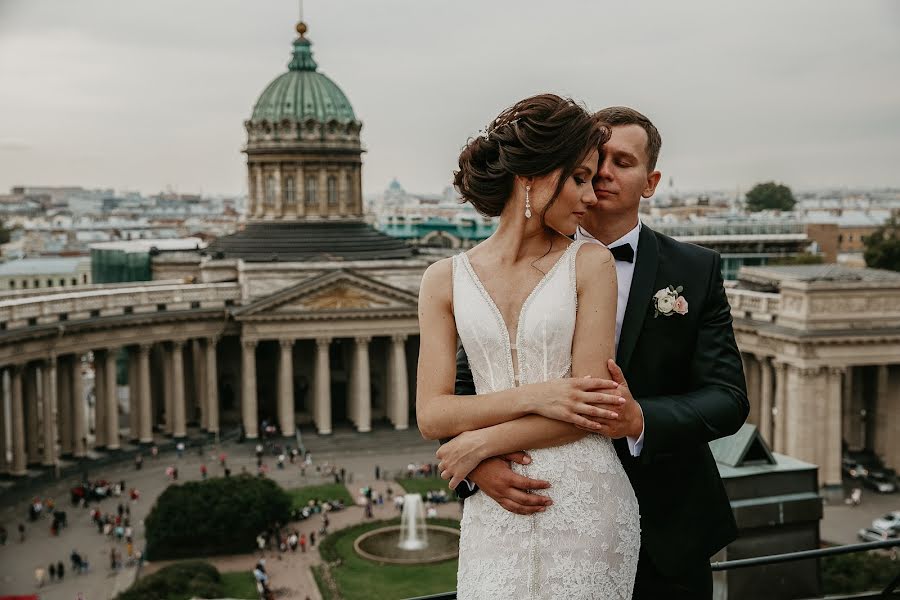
(75, 306)
(754, 306)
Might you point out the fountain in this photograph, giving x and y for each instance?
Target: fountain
(411, 542)
(413, 533)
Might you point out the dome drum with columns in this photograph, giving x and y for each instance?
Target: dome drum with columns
(303, 146)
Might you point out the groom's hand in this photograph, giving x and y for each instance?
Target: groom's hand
(508, 489)
(630, 422)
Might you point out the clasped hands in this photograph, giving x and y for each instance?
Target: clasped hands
(602, 406)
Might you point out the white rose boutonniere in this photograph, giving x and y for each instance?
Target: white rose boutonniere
(669, 301)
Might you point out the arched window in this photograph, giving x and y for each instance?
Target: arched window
(332, 191)
(311, 191)
(289, 190)
(270, 190)
(12, 284)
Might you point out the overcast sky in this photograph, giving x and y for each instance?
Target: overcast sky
(144, 95)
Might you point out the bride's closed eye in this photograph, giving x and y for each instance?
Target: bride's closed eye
(579, 180)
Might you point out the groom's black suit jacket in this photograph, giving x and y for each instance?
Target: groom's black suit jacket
(685, 371)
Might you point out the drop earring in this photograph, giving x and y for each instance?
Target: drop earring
(527, 202)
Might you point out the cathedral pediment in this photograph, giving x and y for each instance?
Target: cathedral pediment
(336, 292)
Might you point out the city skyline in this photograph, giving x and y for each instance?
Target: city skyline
(141, 97)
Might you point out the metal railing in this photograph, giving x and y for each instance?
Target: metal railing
(890, 591)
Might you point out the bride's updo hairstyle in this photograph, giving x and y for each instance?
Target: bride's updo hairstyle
(532, 138)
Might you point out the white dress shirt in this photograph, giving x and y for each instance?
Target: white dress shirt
(624, 274)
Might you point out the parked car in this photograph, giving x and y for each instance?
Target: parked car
(889, 521)
(880, 482)
(870, 534)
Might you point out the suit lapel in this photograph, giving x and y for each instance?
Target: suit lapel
(639, 296)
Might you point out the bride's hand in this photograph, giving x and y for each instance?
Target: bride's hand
(576, 400)
(460, 456)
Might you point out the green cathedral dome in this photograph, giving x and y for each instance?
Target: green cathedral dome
(303, 93)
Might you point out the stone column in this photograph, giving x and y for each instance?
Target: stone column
(850, 411)
(279, 192)
(198, 358)
(248, 384)
(17, 415)
(48, 399)
(781, 409)
(144, 400)
(169, 389)
(65, 403)
(766, 399)
(286, 388)
(134, 410)
(179, 429)
(32, 424)
(4, 442)
(212, 387)
(342, 191)
(323, 190)
(398, 391)
(322, 387)
(112, 401)
(299, 192)
(99, 399)
(882, 412)
(259, 205)
(830, 459)
(79, 412)
(806, 392)
(751, 374)
(361, 389)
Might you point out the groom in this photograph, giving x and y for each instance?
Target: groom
(677, 366)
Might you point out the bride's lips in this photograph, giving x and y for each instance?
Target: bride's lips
(579, 213)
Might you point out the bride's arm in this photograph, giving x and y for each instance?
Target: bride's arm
(441, 414)
(593, 344)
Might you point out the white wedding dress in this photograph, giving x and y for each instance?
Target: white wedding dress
(585, 546)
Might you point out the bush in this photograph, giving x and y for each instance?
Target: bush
(217, 516)
(855, 573)
(177, 582)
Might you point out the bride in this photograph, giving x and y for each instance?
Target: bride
(535, 313)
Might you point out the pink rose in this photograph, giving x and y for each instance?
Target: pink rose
(681, 305)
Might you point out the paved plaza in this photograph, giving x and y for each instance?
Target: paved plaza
(290, 574)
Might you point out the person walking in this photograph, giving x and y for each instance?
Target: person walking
(303, 542)
(60, 570)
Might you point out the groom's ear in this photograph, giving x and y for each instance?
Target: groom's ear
(652, 182)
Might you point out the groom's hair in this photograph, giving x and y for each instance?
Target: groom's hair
(622, 115)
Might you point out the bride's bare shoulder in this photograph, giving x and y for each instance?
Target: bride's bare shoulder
(593, 262)
(436, 281)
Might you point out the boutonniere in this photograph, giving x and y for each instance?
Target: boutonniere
(669, 301)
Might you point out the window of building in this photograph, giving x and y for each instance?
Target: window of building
(74, 281)
(332, 191)
(311, 191)
(12, 284)
(62, 283)
(24, 284)
(37, 283)
(289, 190)
(84, 278)
(270, 190)
(49, 283)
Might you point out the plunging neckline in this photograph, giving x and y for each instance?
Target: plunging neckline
(498, 314)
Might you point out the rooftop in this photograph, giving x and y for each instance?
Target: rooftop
(41, 266)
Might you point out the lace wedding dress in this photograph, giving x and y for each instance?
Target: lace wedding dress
(585, 546)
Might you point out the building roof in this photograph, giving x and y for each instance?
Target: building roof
(144, 246)
(303, 93)
(41, 266)
(301, 241)
(811, 273)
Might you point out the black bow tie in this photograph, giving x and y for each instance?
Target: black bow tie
(623, 252)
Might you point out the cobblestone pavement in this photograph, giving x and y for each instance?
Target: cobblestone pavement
(358, 454)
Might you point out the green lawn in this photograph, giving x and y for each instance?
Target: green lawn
(328, 491)
(360, 579)
(421, 485)
(239, 584)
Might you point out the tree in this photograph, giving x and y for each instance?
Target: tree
(4, 234)
(770, 195)
(883, 247)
